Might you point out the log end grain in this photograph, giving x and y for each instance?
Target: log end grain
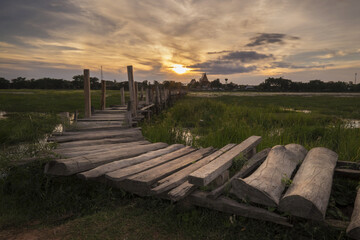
(246, 192)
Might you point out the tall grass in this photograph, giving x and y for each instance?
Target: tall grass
(219, 121)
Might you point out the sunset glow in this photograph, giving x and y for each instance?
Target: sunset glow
(243, 41)
(179, 69)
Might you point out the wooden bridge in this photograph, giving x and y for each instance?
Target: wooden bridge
(107, 146)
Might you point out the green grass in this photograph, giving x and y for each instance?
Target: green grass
(74, 209)
(219, 121)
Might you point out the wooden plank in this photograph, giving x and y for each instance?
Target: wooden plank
(132, 90)
(228, 205)
(65, 167)
(91, 131)
(309, 193)
(96, 136)
(181, 176)
(348, 165)
(353, 230)
(141, 183)
(347, 173)
(147, 107)
(209, 172)
(267, 183)
(121, 174)
(87, 93)
(181, 191)
(248, 168)
(113, 166)
(83, 151)
(99, 142)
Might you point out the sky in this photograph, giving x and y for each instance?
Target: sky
(243, 41)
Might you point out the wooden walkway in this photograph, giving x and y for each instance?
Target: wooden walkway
(104, 147)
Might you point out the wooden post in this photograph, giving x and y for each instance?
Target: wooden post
(136, 96)
(131, 90)
(142, 92)
(87, 93)
(147, 95)
(103, 94)
(122, 92)
(158, 99)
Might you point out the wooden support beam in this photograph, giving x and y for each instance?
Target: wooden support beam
(136, 96)
(353, 230)
(103, 94)
(228, 205)
(132, 90)
(147, 96)
(309, 193)
(248, 168)
(267, 183)
(122, 93)
(87, 93)
(209, 172)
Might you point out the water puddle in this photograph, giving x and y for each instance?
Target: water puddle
(296, 110)
(351, 123)
(185, 135)
(3, 115)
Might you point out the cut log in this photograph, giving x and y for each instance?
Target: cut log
(65, 167)
(209, 172)
(96, 135)
(309, 193)
(181, 191)
(348, 165)
(228, 205)
(141, 183)
(267, 183)
(249, 167)
(353, 230)
(84, 150)
(123, 173)
(99, 142)
(181, 176)
(113, 166)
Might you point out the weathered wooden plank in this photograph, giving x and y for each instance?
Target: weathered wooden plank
(353, 230)
(121, 174)
(99, 142)
(209, 172)
(113, 166)
(309, 193)
(82, 151)
(87, 93)
(228, 205)
(181, 176)
(95, 135)
(267, 183)
(347, 173)
(249, 167)
(92, 132)
(65, 167)
(181, 191)
(141, 183)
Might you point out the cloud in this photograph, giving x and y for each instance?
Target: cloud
(293, 66)
(224, 51)
(267, 38)
(246, 56)
(231, 63)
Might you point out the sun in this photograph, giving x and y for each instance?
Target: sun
(179, 69)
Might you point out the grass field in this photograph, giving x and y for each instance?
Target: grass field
(32, 204)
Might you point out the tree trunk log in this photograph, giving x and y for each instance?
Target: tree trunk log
(267, 183)
(309, 193)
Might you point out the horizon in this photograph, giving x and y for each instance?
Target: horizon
(245, 42)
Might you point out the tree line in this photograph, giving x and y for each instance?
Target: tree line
(269, 85)
(278, 85)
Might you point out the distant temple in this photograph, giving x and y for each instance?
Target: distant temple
(204, 82)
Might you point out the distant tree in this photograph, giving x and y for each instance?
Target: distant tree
(216, 84)
(4, 83)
